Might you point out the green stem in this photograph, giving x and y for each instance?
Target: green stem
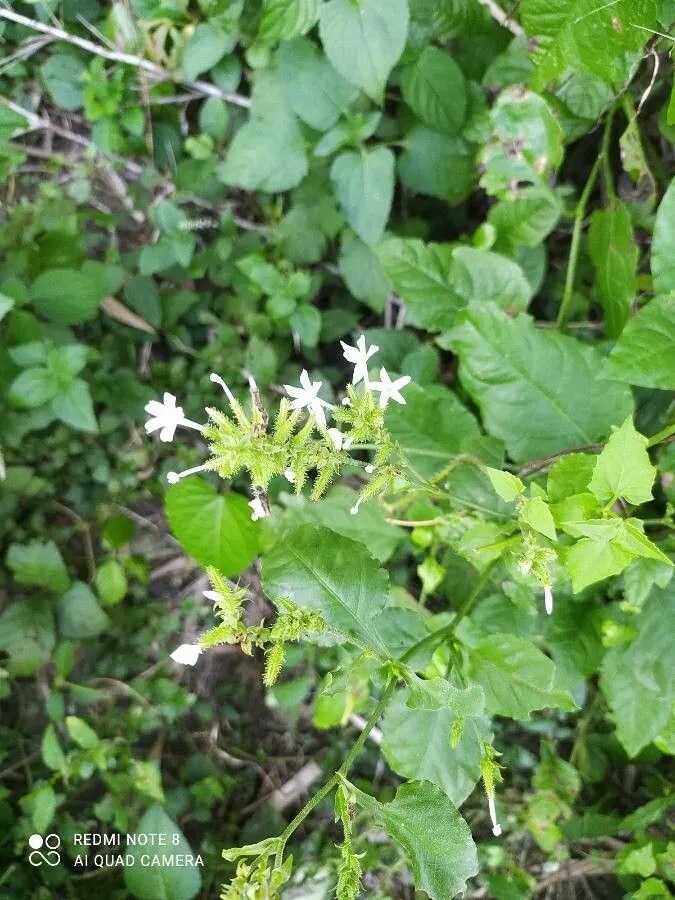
(667, 432)
(341, 772)
(580, 214)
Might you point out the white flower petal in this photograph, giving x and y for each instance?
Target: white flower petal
(548, 599)
(257, 509)
(187, 654)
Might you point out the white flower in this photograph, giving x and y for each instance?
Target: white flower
(340, 442)
(289, 475)
(359, 356)
(166, 417)
(496, 827)
(307, 396)
(186, 654)
(548, 599)
(370, 468)
(258, 511)
(389, 390)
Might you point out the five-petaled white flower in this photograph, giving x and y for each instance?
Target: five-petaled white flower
(166, 417)
(359, 356)
(390, 390)
(548, 599)
(258, 511)
(187, 654)
(307, 396)
(338, 439)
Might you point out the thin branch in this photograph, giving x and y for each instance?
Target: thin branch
(203, 87)
(502, 17)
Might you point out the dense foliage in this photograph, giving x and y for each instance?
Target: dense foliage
(428, 593)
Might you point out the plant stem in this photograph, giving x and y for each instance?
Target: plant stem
(667, 432)
(602, 159)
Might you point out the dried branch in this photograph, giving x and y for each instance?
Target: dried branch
(503, 18)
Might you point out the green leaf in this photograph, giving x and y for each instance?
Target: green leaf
(364, 184)
(6, 305)
(79, 613)
(516, 676)
(319, 569)
(663, 243)
(268, 152)
(52, 754)
(537, 515)
(481, 276)
(213, 118)
(43, 807)
(67, 296)
(40, 564)
(27, 636)
(434, 89)
(82, 733)
(175, 881)
(442, 857)
(574, 638)
(421, 274)
(438, 693)
(638, 678)
(316, 92)
(74, 406)
(432, 428)
(508, 486)
(215, 529)
(437, 165)
(569, 476)
(362, 272)
(306, 323)
(65, 362)
(527, 218)
(364, 40)
(519, 374)
(111, 582)
(282, 20)
(62, 75)
(33, 387)
(623, 468)
(643, 354)
(205, 47)
(615, 255)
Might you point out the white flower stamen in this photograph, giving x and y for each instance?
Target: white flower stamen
(165, 417)
(307, 396)
(548, 599)
(187, 654)
(175, 477)
(496, 827)
(258, 511)
(216, 379)
(359, 356)
(390, 390)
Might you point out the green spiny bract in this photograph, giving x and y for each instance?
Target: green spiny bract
(364, 418)
(491, 770)
(258, 881)
(349, 875)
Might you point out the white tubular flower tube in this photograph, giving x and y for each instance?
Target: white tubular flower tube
(165, 417)
(359, 356)
(257, 509)
(548, 599)
(496, 827)
(216, 379)
(187, 654)
(175, 477)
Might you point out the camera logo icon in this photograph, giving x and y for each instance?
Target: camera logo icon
(50, 843)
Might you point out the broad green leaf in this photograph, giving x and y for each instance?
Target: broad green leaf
(615, 255)
(481, 276)
(317, 93)
(268, 152)
(442, 857)
(508, 486)
(62, 75)
(522, 376)
(364, 184)
(362, 272)
(586, 95)
(319, 569)
(111, 582)
(213, 118)
(432, 428)
(175, 881)
(643, 354)
(516, 676)
(27, 636)
(43, 807)
(623, 468)
(79, 613)
(641, 576)
(33, 387)
(421, 274)
(438, 693)
(574, 638)
(332, 511)
(418, 743)
(570, 475)
(537, 515)
(6, 305)
(527, 218)
(215, 529)
(306, 323)
(39, 564)
(205, 47)
(282, 20)
(638, 678)
(82, 733)
(663, 244)
(434, 89)
(364, 40)
(65, 362)
(437, 165)
(74, 406)
(52, 754)
(67, 296)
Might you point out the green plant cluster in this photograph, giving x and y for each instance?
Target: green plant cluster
(475, 588)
